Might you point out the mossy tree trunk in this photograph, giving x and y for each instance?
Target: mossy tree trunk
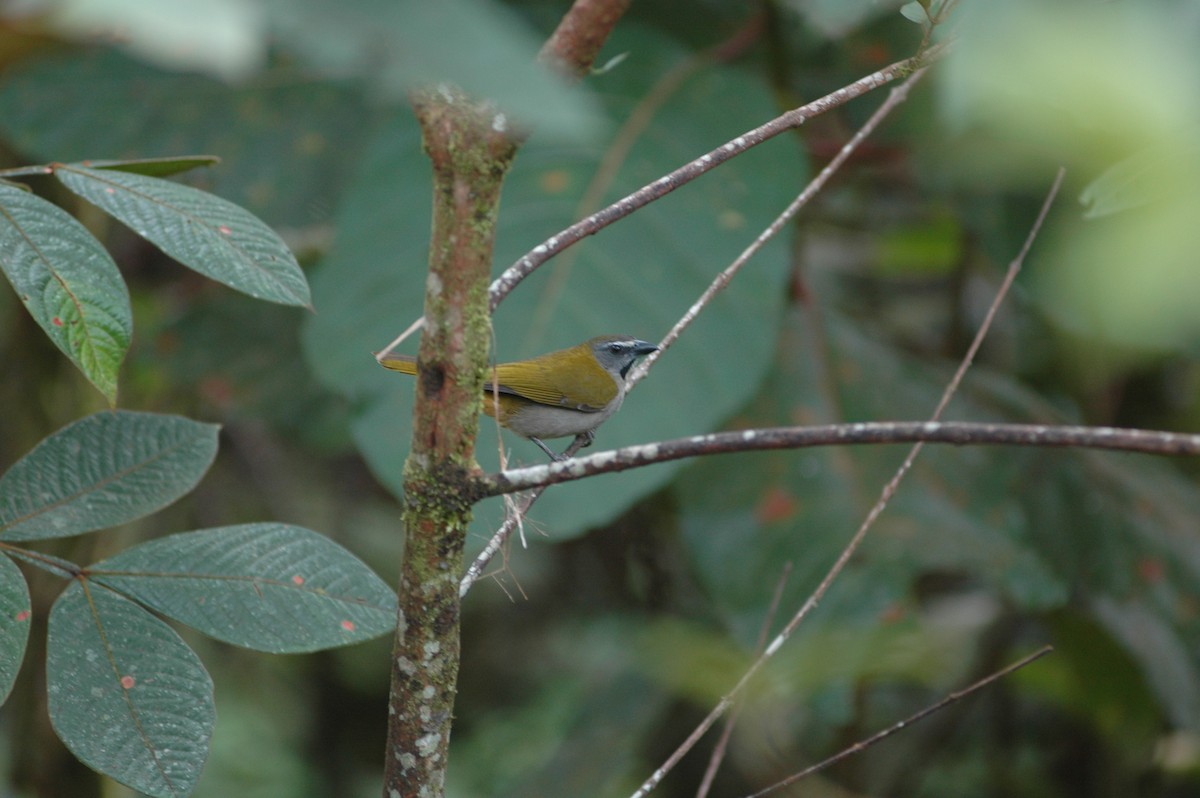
(469, 162)
(471, 148)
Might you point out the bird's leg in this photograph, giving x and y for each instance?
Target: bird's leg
(583, 439)
(555, 457)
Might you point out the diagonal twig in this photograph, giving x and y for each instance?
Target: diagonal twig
(957, 695)
(852, 546)
(895, 97)
(693, 169)
(718, 754)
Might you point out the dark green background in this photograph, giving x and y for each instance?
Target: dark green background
(639, 599)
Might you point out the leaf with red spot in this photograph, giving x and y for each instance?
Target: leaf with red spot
(203, 232)
(270, 587)
(126, 694)
(68, 283)
(14, 623)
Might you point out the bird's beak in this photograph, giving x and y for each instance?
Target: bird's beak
(643, 348)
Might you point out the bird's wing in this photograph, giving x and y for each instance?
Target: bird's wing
(582, 385)
(566, 384)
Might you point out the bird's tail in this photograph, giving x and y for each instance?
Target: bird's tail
(405, 364)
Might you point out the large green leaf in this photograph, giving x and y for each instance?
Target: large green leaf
(103, 470)
(636, 277)
(402, 45)
(200, 230)
(127, 695)
(286, 142)
(271, 587)
(68, 283)
(15, 616)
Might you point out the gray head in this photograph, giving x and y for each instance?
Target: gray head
(618, 353)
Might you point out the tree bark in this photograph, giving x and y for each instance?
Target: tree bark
(471, 146)
(470, 154)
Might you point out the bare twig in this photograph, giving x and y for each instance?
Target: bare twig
(894, 98)
(618, 149)
(399, 339)
(540, 477)
(718, 754)
(910, 720)
(524, 266)
(959, 433)
(513, 520)
(852, 546)
(529, 262)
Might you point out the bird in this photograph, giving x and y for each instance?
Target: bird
(568, 392)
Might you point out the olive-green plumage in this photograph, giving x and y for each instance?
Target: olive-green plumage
(568, 392)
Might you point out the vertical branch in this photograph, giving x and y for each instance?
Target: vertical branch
(471, 147)
(470, 153)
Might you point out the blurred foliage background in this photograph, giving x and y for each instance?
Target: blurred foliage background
(641, 595)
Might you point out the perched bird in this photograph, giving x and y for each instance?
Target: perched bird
(568, 392)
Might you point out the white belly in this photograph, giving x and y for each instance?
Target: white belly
(544, 421)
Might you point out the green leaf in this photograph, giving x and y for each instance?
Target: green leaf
(68, 283)
(201, 231)
(156, 167)
(15, 616)
(287, 144)
(126, 694)
(402, 45)
(104, 470)
(270, 587)
(636, 277)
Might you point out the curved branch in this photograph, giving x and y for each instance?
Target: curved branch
(959, 433)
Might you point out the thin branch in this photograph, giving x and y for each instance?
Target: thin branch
(593, 224)
(860, 534)
(511, 523)
(910, 720)
(513, 520)
(718, 754)
(895, 97)
(399, 339)
(959, 433)
(634, 126)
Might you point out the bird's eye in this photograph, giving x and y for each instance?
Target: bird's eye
(616, 347)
